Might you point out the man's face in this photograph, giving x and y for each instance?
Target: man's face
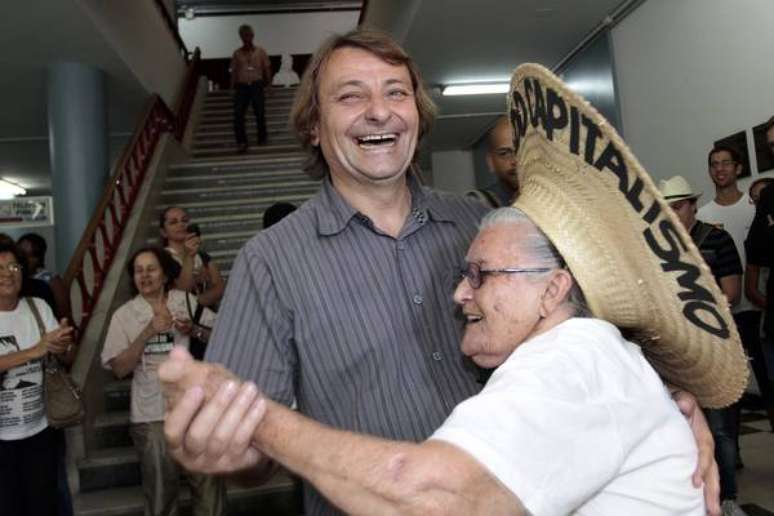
(246, 36)
(770, 140)
(685, 209)
(501, 156)
(723, 170)
(368, 118)
(504, 311)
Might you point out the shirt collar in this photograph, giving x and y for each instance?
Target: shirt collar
(334, 212)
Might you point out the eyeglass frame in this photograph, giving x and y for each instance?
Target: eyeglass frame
(476, 280)
(12, 268)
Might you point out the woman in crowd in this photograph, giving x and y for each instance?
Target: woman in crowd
(34, 248)
(140, 335)
(28, 446)
(198, 273)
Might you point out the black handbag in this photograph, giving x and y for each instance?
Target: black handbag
(62, 396)
(200, 333)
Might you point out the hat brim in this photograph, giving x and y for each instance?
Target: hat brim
(673, 198)
(637, 266)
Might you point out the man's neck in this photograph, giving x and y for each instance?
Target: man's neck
(728, 195)
(387, 205)
(8, 304)
(248, 47)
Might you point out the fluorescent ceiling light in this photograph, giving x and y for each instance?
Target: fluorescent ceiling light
(9, 189)
(476, 89)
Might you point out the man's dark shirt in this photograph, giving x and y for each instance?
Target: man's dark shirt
(760, 243)
(718, 250)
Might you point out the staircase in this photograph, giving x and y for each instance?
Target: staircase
(225, 193)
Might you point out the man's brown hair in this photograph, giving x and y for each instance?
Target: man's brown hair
(305, 114)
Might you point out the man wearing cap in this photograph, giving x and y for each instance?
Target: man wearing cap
(214, 430)
(501, 160)
(717, 247)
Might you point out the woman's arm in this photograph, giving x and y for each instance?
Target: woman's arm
(214, 292)
(55, 342)
(125, 362)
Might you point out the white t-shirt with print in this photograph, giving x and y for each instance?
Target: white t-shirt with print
(576, 421)
(127, 323)
(22, 410)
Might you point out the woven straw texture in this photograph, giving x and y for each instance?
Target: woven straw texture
(616, 252)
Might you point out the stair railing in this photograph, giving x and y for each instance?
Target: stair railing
(94, 254)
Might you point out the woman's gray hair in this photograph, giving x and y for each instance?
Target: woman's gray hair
(538, 245)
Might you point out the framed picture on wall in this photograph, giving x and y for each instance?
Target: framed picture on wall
(737, 141)
(762, 153)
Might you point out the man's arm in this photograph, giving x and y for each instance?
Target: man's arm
(752, 279)
(358, 473)
(731, 287)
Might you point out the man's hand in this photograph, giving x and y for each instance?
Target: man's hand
(706, 473)
(211, 415)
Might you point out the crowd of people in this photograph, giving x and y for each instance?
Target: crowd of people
(536, 380)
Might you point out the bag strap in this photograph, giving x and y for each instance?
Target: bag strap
(194, 315)
(36, 314)
(49, 360)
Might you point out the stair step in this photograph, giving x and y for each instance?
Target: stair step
(236, 176)
(276, 93)
(118, 395)
(250, 124)
(280, 496)
(253, 150)
(242, 162)
(230, 143)
(111, 430)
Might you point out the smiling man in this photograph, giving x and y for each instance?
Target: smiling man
(345, 305)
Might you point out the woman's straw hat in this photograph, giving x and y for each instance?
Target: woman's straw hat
(634, 261)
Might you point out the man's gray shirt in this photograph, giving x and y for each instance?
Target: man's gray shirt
(357, 326)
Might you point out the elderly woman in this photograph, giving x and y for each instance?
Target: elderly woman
(141, 334)
(28, 446)
(572, 405)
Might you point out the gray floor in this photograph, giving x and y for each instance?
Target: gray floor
(756, 478)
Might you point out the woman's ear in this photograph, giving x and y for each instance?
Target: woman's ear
(557, 291)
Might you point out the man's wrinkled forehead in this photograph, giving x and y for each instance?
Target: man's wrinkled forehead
(337, 72)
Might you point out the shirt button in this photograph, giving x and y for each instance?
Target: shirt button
(437, 356)
(401, 246)
(418, 300)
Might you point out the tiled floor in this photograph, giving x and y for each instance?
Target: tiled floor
(756, 479)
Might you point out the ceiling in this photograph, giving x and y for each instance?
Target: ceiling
(224, 7)
(455, 41)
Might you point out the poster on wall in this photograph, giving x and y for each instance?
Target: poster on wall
(763, 156)
(737, 141)
(27, 212)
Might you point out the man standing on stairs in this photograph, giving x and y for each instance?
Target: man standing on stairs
(250, 76)
(345, 306)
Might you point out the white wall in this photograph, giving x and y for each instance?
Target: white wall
(137, 31)
(453, 171)
(690, 72)
(298, 33)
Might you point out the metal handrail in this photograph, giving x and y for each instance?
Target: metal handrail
(172, 26)
(94, 254)
(92, 258)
